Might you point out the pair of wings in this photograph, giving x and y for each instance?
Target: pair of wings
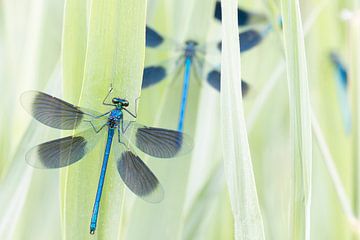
(248, 39)
(153, 74)
(56, 113)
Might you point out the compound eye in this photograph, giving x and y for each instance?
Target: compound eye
(115, 100)
(126, 103)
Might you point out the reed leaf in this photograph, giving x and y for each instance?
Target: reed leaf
(354, 74)
(104, 48)
(236, 153)
(300, 121)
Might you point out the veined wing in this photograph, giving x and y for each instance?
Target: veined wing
(53, 111)
(158, 71)
(63, 151)
(213, 78)
(136, 175)
(157, 142)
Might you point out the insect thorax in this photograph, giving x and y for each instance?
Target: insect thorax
(190, 48)
(114, 119)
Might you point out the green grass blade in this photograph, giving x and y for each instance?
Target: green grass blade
(30, 50)
(110, 53)
(74, 41)
(238, 165)
(354, 74)
(300, 121)
(331, 167)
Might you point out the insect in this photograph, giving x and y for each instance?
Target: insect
(191, 54)
(156, 142)
(342, 89)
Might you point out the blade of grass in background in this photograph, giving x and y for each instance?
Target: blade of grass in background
(264, 95)
(236, 153)
(354, 74)
(31, 34)
(203, 190)
(115, 45)
(329, 162)
(74, 42)
(27, 207)
(73, 60)
(300, 121)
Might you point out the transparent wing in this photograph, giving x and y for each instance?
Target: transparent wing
(54, 112)
(213, 78)
(157, 72)
(63, 151)
(157, 142)
(139, 178)
(155, 40)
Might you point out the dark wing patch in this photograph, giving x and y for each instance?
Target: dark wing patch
(219, 46)
(153, 75)
(244, 88)
(57, 153)
(51, 111)
(153, 39)
(159, 142)
(217, 13)
(213, 78)
(63, 152)
(243, 16)
(139, 178)
(249, 39)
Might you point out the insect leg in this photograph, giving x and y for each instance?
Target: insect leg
(104, 101)
(119, 140)
(96, 130)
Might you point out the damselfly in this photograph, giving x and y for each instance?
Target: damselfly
(342, 89)
(191, 54)
(156, 142)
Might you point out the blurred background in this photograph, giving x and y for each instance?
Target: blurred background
(74, 49)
